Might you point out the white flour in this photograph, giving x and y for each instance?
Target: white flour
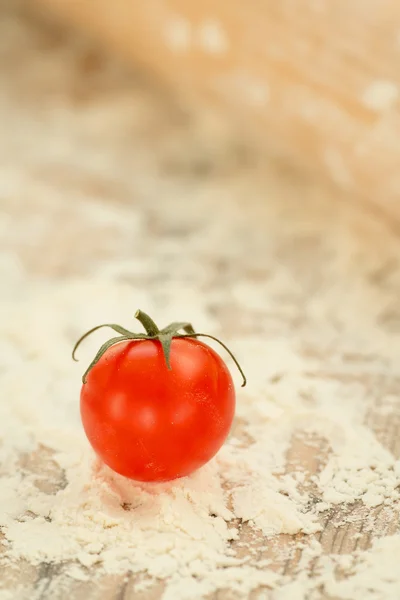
(90, 232)
(183, 531)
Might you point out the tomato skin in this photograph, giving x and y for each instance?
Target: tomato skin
(149, 423)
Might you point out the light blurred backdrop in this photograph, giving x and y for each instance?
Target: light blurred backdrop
(313, 81)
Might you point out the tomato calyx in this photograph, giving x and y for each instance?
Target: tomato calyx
(164, 336)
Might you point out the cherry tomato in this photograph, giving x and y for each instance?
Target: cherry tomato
(153, 424)
(152, 419)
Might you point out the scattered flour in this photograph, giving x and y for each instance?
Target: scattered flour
(59, 504)
(90, 232)
(180, 531)
(376, 575)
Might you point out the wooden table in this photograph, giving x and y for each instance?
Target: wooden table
(77, 129)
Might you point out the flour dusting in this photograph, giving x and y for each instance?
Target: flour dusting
(59, 504)
(98, 220)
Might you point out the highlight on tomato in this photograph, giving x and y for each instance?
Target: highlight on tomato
(157, 405)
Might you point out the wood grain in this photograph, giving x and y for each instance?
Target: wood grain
(320, 245)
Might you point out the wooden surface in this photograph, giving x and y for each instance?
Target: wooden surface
(330, 250)
(315, 82)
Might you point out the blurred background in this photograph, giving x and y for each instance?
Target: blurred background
(230, 163)
(214, 142)
(313, 81)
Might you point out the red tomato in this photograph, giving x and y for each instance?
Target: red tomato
(151, 423)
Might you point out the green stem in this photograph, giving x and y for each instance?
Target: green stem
(164, 336)
(148, 323)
